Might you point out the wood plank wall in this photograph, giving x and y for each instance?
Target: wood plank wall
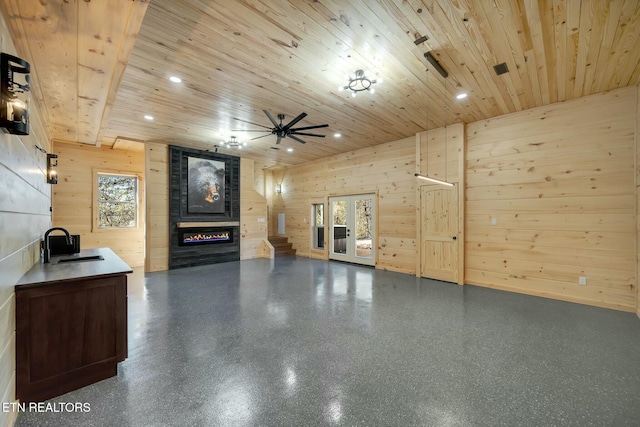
(157, 204)
(253, 214)
(25, 198)
(559, 181)
(431, 148)
(386, 169)
(73, 197)
(637, 142)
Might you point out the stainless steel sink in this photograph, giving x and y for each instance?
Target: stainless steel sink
(79, 259)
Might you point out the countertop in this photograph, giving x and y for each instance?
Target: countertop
(42, 274)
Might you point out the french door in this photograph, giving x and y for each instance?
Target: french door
(352, 234)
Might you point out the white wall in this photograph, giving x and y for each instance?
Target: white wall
(25, 198)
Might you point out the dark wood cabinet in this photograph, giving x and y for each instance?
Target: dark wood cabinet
(69, 334)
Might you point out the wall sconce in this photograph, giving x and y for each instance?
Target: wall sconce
(278, 188)
(14, 87)
(52, 171)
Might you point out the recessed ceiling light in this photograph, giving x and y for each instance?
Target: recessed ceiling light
(148, 117)
(289, 149)
(175, 79)
(461, 96)
(337, 135)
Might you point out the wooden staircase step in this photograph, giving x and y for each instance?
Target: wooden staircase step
(281, 245)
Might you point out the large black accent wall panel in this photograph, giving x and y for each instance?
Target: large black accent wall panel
(204, 192)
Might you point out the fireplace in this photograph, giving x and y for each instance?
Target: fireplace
(204, 236)
(201, 243)
(203, 230)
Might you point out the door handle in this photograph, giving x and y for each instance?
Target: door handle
(455, 237)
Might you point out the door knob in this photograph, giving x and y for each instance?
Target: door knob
(455, 237)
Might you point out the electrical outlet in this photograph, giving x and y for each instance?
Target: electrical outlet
(582, 280)
(494, 221)
(260, 219)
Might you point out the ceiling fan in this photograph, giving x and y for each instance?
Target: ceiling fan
(281, 130)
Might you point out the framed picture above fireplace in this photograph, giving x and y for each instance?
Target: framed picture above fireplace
(205, 185)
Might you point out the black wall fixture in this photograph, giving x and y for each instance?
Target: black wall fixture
(433, 61)
(14, 94)
(52, 168)
(420, 40)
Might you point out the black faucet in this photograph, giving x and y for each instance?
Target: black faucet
(46, 252)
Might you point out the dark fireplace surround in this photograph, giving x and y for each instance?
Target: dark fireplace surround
(204, 219)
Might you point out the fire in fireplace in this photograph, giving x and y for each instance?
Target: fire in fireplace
(205, 236)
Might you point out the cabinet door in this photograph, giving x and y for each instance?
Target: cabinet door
(69, 335)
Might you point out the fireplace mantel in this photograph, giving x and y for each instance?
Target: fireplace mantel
(207, 224)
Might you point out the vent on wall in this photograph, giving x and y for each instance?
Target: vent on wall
(501, 68)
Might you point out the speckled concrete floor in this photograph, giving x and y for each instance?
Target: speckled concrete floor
(304, 342)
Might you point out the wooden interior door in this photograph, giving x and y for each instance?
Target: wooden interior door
(439, 232)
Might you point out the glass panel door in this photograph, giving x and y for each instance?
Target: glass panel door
(353, 228)
(339, 226)
(363, 226)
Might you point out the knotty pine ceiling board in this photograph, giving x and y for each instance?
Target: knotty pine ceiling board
(78, 49)
(237, 58)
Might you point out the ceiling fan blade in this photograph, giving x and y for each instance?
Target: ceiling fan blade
(295, 138)
(271, 118)
(310, 127)
(296, 120)
(247, 121)
(250, 130)
(306, 134)
(278, 140)
(258, 137)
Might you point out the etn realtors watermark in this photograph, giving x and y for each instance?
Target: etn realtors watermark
(46, 407)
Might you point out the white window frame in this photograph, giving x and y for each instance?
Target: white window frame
(315, 226)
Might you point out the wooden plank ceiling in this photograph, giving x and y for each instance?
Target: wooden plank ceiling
(239, 57)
